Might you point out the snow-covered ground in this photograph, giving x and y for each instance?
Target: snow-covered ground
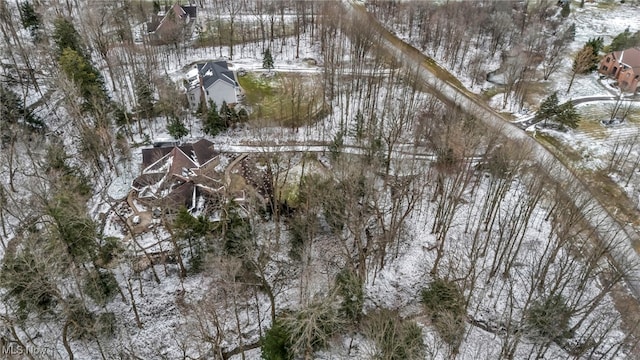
(179, 316)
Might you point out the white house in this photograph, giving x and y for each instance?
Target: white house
(212, 81)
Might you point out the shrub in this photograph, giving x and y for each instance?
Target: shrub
(446, 159)
(109, 248)
(24, 276)
(349, 287)
(80, 320)
(301, 228)
(83, 324)
(239, 233)
(312, 327)
(395, 339)
(101, 286)
(106, 324)
(445, 303)
(549, 319)
(276, 343)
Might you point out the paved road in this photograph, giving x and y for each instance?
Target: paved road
(620, 240)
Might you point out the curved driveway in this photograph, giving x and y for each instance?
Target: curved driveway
(529, 120)
(620, 240)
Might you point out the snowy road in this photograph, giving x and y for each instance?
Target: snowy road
(399, 151)
(621, 241)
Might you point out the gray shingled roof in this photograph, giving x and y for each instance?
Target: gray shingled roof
(213, 71)
(191, 10)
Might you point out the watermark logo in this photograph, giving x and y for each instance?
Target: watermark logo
(18, 350)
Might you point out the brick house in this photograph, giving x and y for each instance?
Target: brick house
(624, 66)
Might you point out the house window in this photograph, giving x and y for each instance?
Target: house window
(605, 68)
(207, 92)
(608, 60)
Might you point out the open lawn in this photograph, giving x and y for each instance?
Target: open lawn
(587, 150)
(592, 114)
(284, 99)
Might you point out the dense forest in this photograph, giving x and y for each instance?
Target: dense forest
(349, 210)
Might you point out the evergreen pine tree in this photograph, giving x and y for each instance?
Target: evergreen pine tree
(596, 45)
(86, 77)
(10, 105)
(12, 110)
(625, 40)
(548, 108)
(583, 63)
(177, 129)
(29, 17)
(227, 114)
(570, 35)
(568, 116)
(267, 60)
(566, 9)
(335, 147)
(358, 130)
(620, 41)
(144, 96)
(243, 115)
(66, 36)
(213, 123)
(276, 343)
(233, 114)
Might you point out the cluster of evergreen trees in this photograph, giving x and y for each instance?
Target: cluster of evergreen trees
(625, 40)
(565, 114)
(13, 111)
(75, 63)
(216, 121)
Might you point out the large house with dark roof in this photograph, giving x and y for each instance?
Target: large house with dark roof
(176, 176)
(624, 66)
(171, 25)
(212, 81)
(198, 178)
